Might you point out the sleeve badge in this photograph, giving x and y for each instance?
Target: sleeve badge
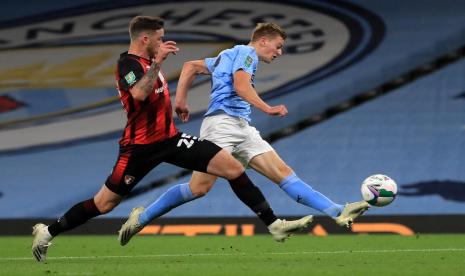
(248, 61)
(130, 78)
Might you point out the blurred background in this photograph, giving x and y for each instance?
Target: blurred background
(371, 87)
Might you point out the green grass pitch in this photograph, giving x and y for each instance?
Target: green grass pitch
(257, 255)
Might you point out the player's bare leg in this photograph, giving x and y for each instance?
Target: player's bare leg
(273, 167)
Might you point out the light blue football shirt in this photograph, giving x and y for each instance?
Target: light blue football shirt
(222, 69)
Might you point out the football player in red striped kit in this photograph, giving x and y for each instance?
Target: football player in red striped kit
(150, 138)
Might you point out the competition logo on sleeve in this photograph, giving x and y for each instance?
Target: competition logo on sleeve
(248, 61)
(130, 78)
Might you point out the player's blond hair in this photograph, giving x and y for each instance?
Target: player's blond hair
(141, 24)
(269, 30)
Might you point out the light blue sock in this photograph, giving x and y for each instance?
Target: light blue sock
(170, 199)
(306, 195)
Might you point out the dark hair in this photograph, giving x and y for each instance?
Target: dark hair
(268, 30)
(140, 24)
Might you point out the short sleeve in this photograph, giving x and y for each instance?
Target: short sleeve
(210, 62)
(130, 72)
(245, 60)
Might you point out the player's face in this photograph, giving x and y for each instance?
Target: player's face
(155, 39)
(273, 48)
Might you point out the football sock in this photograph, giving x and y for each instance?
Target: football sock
(77, 215)
(170, 199)
(306, 195)
(251, 196)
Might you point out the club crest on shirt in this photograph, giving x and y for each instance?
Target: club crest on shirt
(248, 61)
(128, 179)
(130, 78)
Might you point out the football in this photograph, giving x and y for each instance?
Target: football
(379, 190)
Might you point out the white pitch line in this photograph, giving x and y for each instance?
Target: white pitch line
(240, 254)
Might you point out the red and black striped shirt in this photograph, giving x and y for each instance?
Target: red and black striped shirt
(150, 120)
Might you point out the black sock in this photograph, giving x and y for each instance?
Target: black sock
(77, 215)
(248, 193)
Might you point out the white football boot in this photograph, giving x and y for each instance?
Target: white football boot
(282, 229)
(41, 241)
(131, 226)
(350, 212)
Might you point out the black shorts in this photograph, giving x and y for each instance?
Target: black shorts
(136, 161)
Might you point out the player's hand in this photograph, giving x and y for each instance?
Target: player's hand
(166, 48)
(278, 110)
(182, 110)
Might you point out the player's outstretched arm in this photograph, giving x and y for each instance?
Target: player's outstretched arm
(245, 90)
(189, 71)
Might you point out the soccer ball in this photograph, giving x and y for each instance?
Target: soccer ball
(379, 190)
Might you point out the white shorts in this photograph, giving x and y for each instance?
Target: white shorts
(235, 135)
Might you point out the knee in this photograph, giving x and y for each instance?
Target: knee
(199, 190)
(234, 171)
(105, 207)
(225, 166)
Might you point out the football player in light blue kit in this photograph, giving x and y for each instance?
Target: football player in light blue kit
(226, 123)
